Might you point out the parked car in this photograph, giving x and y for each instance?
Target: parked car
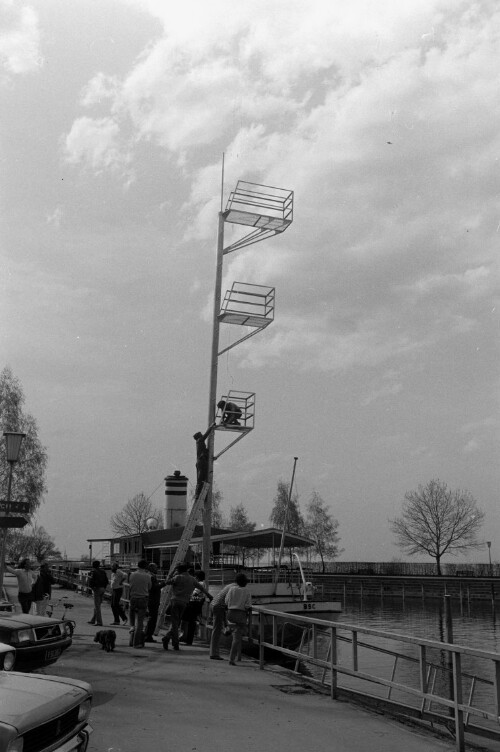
(38, 640)
(43, 713)
(7, 657)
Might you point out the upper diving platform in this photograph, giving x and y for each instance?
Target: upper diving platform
(266, 209)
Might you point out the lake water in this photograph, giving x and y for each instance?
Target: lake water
(475, 624)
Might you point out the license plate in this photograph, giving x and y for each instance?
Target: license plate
(51, 654)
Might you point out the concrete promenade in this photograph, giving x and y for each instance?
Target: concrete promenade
(152, 700)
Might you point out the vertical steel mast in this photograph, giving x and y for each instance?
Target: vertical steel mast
(212, 400)
(264, 211)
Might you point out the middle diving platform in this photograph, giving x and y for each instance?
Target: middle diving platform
(248, 305)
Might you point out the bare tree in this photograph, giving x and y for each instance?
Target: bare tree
(134, 515)
(17, 545)
(322, 528)
(42, 545)
(35, 542)
(438, 521)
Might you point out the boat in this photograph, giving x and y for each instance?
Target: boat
(292, 597)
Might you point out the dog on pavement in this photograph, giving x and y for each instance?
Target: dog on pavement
(106, 638)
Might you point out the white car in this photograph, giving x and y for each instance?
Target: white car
(41, 713)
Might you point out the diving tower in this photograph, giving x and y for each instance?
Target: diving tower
(260, 211)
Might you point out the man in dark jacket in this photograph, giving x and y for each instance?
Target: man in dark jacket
(153, 603)
(183, 585)
(201, 459)
(42, 589)
(98, 582)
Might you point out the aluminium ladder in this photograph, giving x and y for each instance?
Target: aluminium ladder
(187, 534)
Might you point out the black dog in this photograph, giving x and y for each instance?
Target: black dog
(107, 638)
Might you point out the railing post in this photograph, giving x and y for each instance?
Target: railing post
(457, 691)
(423, 669)
(497, 687)
(354, 651)
(261, 640)
(333, 662)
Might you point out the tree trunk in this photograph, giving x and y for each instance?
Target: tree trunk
(438, 566)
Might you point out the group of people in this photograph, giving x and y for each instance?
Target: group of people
(34, 586)
(230, 607)
(144, 597)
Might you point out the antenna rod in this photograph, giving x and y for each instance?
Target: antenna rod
(222, 185)
(285, 522)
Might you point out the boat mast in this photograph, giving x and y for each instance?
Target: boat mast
(285, 523)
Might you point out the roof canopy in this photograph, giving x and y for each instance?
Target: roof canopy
(268, 538)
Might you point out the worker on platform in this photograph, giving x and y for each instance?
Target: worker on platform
(231, 413)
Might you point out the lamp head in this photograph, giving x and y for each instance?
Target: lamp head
(13, 441)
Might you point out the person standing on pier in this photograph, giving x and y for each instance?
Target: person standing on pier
(239, 603)
(183, 585)
(193, 611)
(219, 610)
(26, 578)
(42, 589)
(98, 582)
(140, 586)
(153, 603)
(118, 577)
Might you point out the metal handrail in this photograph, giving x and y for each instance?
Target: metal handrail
(459, 710)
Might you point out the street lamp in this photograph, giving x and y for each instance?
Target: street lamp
(488, 543)
(13, 441)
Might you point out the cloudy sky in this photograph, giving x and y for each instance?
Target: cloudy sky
(380, 370)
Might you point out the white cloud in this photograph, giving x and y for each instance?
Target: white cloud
(19, 38)
(96, 142)
(99, 89)
(472, 282)
(381, 118)
(56, 217)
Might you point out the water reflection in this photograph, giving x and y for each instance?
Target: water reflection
(474, 625)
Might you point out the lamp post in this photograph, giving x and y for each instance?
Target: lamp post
(13, 441)
(488, 543)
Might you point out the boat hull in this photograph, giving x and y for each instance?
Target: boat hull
(311, 607)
